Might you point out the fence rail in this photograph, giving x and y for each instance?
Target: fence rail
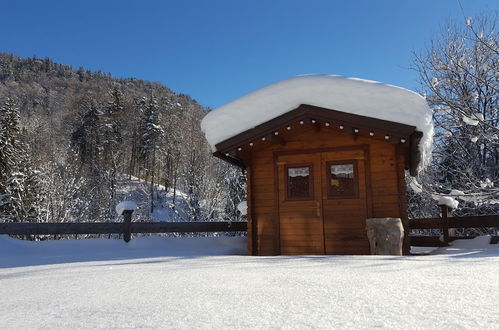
(20, 228)
(127, 227)
(436, 242)
(456, 222)
(446, 222)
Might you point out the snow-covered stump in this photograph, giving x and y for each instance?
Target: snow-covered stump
(126, 209)
(386, 235)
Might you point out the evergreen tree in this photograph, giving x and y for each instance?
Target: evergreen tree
(21, 192)
(150, 135)
(10, 149)
(150, 132)
(112, 139)
(87, 141)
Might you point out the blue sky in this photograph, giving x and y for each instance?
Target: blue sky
(219, 50)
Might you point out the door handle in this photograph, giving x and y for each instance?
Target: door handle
(318, 208)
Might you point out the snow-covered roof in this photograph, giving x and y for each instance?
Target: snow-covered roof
(351, 95)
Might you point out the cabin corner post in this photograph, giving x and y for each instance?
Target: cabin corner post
(403, 203)
(252, 225)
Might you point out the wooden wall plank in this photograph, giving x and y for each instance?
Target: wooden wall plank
(384, 189)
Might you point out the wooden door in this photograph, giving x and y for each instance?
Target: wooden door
(344, 202)
(300, 209)
(322, 203)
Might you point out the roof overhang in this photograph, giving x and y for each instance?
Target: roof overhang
(229, 150)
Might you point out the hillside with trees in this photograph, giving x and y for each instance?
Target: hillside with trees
(72, 140)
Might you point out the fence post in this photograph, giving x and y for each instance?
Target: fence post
(127, 221)
(445, 213)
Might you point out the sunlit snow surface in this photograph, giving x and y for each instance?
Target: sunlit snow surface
(199, 283)
(126, 206)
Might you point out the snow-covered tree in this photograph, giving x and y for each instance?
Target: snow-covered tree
(112, 139)
(459, 75)
(86, 138)
(64, 188)
(21, 188)
(87, 143)
(150, 134)
(10, 149)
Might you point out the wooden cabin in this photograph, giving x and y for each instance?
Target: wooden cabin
(314, 175)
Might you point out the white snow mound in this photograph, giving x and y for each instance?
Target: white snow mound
(126, 206)
(449, 201)
(456, 192)
(351, 95)
(243, 207)
(479, 242)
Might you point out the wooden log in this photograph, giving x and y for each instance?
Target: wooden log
(436, 242)
(187, 227)
(127, 221)
(427, 223)
(28, 228)
(445, 213)
(483, 221)
(426, 241)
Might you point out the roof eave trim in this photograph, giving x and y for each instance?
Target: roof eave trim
(304, 110)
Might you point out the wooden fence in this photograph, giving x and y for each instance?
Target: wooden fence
(446, 222)
(127, 227)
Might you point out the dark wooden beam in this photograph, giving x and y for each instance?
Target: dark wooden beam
(364, 122)
(484, 221)
(230, 159)
(30, 228)
(445, 213)
(187, 227)
(434, 241)
(276, 139)
(305, 112)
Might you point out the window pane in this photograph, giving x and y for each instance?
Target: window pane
(299, 182)
(342, 181)
(342, 171)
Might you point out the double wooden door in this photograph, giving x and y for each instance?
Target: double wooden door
(323, 202)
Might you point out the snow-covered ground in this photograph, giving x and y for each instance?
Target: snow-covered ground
(192, 283)
(167, 206)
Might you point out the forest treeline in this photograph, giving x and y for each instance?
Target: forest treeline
(71, 137)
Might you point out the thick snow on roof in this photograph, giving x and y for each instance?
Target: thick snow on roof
(352, 95)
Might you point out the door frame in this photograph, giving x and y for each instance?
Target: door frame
(367, 174)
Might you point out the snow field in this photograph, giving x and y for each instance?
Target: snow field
(179, 288)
